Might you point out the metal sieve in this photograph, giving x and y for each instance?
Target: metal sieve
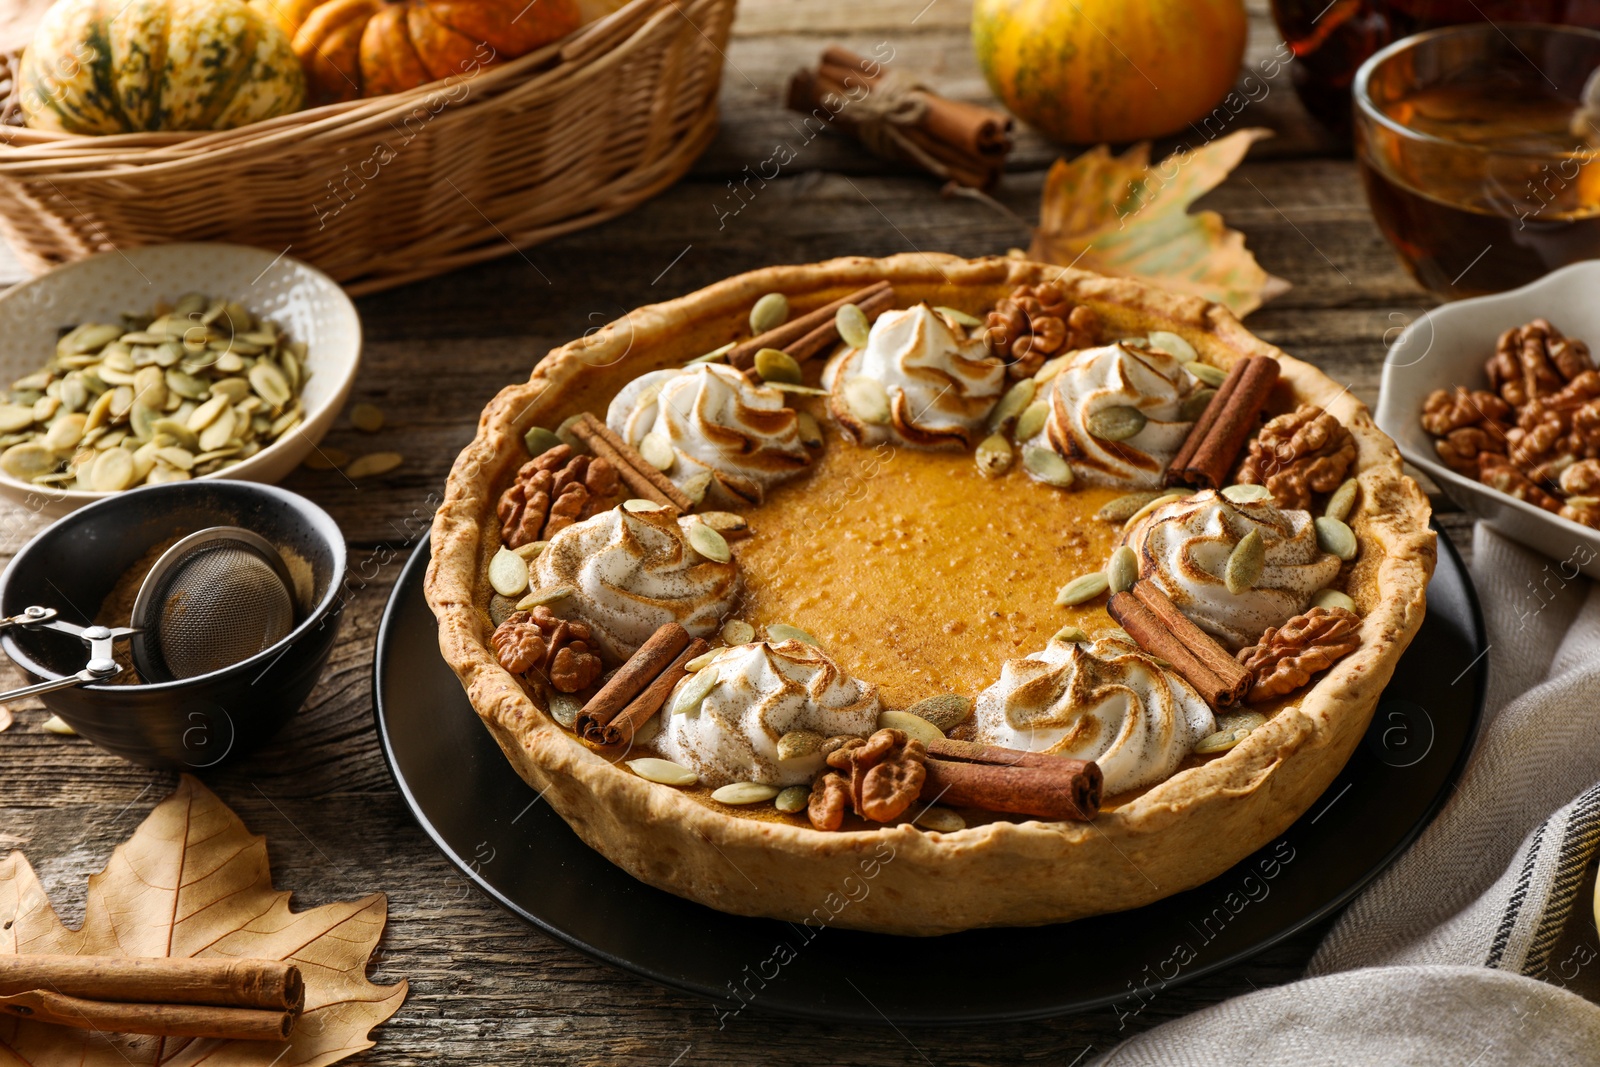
(214, 599)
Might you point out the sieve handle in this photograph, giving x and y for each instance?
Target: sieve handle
(83, 677)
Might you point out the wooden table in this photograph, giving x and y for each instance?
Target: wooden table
(485, 988)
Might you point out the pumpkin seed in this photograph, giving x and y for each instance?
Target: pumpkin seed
(913, 726)
(37, 381)
(1070, 635)
(64, 434)
(945, 711)
(1194, 405)
(73, 393)
(1334, 536)
(368, 418)
(14, 417)
(745, 793)
(270, 385)
(1212, 376)
(662, 771)
(27, 461)
(1173, 345)
(220, 431)
(770, 312)
(1052, 368)
(727, 523)
(532, 550)
(371, 464)
(702, 661)
(1116, 423)
(1246, 493)
(867, 400)
(1082, 589)
(959, 317)
(776, 365)
(1159, 502)
(939, 820)
(1124, 508)
(796, 390)
(854, 329)
(1123, 570)
(187, 385)
(1219, 742)
(1032, 419)
(709, 543)
(1328, 599)
(55, 724)
(993, 456)
(693, 691)
(657, 451)
(716, 355)
(1343, 500)
(641, 506)
(45, 408)
(162, 474)
(90, 337)
(793, 799)
(174, 456)
(1046, 466)
(1014, 403)
(1245, 563)
(564, 710)
(99, 412)
(210, 412)
(780, 632)
(142, 421)
(508, 573)
(798, 744)
(738, 632)
(112, 471)
(544, 597)
(809, 429)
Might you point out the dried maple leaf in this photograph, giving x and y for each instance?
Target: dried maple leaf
(1119, 215)
(192, 881)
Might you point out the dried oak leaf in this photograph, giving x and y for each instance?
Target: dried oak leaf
(1122, 216)
(1286, 656)
(192, 881)
(1299, 453)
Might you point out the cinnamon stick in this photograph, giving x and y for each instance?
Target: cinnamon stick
(827, 335)
(980, 131)
(1062, 789)
(642, 668)
(634, 470)
(642, 707)
(743, 355)
(163, 1020)
(954, 751)
(214, 980)
(1212, 447)
(1157, 626)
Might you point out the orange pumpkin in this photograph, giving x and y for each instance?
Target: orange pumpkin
(353, 48)
(1110, 70)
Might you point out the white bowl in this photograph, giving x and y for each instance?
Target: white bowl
(306, 303)
(1448, 347)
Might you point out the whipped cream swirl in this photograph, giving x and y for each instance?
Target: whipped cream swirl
(1183, 548)
(1153, 382)
(764, 691)
(716, 420)
(632, 572)
(940, 383)
(1104, 700)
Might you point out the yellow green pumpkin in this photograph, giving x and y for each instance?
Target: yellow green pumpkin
(122, 66)
(1110, 70)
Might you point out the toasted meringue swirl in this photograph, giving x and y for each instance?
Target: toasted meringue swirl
(1103, 700)
(764, 691)
(716, 420)
(632, 572)
(941, 384)
(1117, 376)
(1183, 548)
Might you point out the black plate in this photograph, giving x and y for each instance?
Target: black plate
(487, 821)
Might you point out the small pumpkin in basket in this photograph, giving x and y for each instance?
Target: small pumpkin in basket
(125, 66)
(354, 48)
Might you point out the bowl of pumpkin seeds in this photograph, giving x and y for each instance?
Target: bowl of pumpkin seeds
(168, 363)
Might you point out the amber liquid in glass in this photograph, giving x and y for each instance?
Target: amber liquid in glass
(1331, 38)
(1467, 227)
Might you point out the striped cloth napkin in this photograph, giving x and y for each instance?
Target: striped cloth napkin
(1478, 946)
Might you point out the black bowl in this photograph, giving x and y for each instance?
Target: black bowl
(73, 564)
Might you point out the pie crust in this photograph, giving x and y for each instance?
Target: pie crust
(901, 879)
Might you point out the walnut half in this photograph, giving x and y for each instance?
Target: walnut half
(1286, 657)
(1303, 452)
(886, 775)
(558, 652)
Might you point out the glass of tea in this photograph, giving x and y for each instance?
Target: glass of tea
(1477, 148)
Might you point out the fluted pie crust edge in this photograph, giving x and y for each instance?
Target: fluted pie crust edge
(1174, 836)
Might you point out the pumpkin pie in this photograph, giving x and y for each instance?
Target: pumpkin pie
(1045, 593)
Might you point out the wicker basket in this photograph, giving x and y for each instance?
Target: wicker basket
(385, 191)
